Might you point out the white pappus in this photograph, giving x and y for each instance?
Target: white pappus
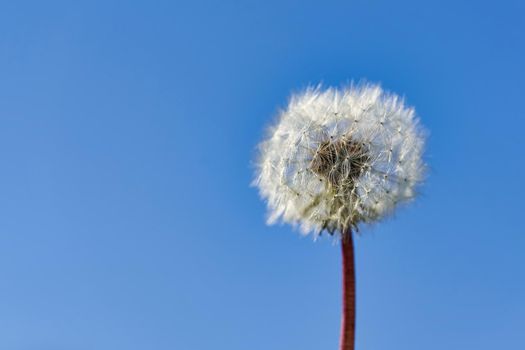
(340, 157)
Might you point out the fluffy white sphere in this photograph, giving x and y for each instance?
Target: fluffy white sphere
(340, 157)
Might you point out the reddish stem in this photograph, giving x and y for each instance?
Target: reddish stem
(348, 317)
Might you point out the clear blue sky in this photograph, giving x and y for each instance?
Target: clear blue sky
(126, 216)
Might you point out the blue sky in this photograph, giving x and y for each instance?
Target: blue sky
(126, 139)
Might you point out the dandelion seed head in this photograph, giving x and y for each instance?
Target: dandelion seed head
(337, 158)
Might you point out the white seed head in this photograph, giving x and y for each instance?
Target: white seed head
(337, 158)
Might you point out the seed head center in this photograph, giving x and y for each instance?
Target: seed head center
(340, 162)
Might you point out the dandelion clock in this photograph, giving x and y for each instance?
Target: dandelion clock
(337, 159)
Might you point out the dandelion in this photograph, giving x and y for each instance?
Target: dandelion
(337, 159)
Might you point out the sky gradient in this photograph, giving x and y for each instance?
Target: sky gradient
(127, 135)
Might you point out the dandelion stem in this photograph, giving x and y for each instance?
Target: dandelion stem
(348, 316)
